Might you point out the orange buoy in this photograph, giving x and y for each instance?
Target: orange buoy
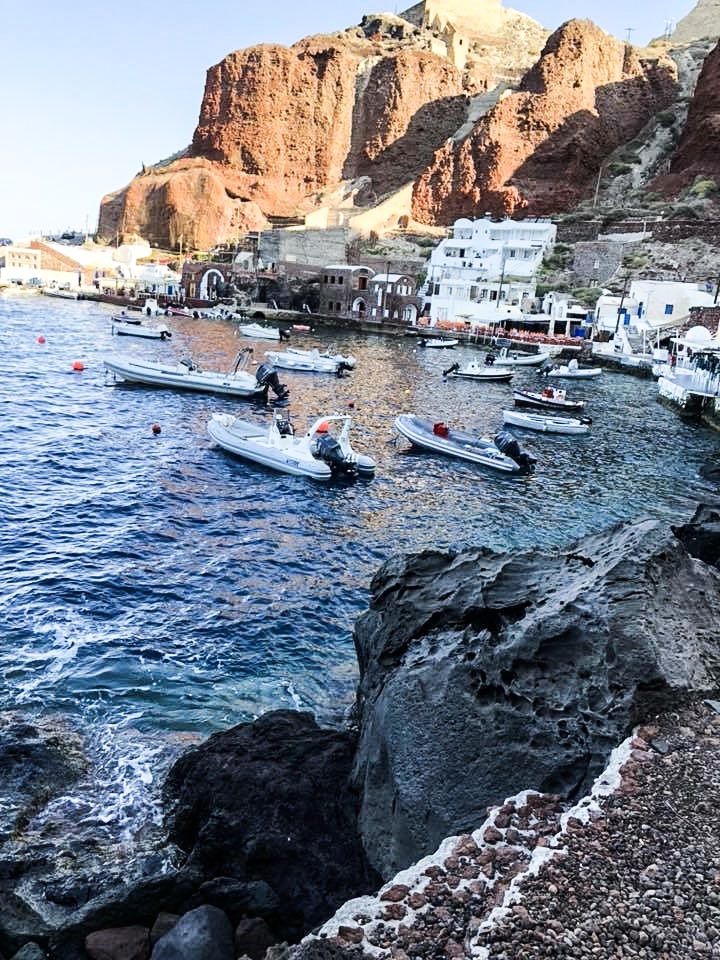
(156, 428)
(41, 339)
(78, 365)
(322, 427)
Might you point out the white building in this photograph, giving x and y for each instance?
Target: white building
(485, 262)
(652, 305)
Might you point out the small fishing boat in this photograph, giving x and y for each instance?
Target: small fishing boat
(310, 361)
(545, 424)
(516, 358)
(348, 360)
(324, 451)
(124, 326)
(258, 332)
(187, 375)
(501, 452)
(437, 342)
(479, 371)
(572, 371)
(552, 398)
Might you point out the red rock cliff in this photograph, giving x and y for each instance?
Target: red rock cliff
(541, 148)
(697, 153)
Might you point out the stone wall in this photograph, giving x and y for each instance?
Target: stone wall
(318, 247)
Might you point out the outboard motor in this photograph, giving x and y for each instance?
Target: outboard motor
(489, 359)
(284, 334)
(342, 368)
(546, 368)
(329, 450)
(266, 377)
(507, 444)
(451, 369)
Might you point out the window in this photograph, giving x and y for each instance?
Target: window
(436, 289)
(362, 283)
(668, 309)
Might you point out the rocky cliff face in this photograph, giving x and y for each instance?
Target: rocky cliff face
(701, 23)
(278, 125)
(697, 153)
(540, 149)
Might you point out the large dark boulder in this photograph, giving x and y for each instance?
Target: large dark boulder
(202, 934)
(269, 804)
(484, 674)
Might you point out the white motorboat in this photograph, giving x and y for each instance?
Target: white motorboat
(572, 371)
(125, 326)
(257, 332)
(348, 360)
(437, 342)
(186, 375)
(479, 371)
(321, 453)
(501, 452)
(311, 361)
(516, 358)
(551, 398)
(545, 424)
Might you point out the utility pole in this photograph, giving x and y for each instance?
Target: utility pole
(628, 31)
(717, 291)
(622, 301)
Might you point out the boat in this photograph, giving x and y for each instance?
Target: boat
(501, 452)
(545, 424)
(571, 371)
(553, 398)
(311, 361)
(330, 354)
(324, 451)
(479, 371)
(125, 326)
(516, 358)
(258, 332)
(187, 375)
(437, 342)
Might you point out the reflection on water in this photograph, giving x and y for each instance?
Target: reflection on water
(160, 578)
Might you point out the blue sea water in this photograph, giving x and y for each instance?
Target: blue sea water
(155, 589)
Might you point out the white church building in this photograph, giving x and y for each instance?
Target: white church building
(485, 264)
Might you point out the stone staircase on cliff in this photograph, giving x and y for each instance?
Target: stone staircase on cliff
(477, 108)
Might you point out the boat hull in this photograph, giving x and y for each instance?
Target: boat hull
(480, 450)
(302, 364)
(172, 376)
(536, 400)
(247, 440)
(580, 374)
(544, 424)
(493, 376)
(122, 328)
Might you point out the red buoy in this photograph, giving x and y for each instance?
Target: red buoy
(41, 339)
(78, 365)
(156, 428)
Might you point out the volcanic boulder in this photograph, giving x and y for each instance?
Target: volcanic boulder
(485, 674)
(269, 804)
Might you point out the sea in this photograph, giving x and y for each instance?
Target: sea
(156, 589)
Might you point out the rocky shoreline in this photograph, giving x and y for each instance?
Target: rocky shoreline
(482, 676)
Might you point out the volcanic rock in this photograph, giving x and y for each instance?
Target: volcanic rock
(540, 149)
(696, 154)
(202, 934)
(279, 126)
(703, 22)
(483, 674)
(269, 803)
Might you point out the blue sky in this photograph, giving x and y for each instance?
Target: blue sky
(91, 91)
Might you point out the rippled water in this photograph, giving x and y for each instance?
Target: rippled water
(155, 589)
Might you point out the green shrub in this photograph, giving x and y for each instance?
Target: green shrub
(617, 169)
(588, 296)
(703, 188)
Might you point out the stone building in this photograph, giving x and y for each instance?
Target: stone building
(345, 291)
(393, 298)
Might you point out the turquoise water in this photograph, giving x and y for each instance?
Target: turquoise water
(155, 589)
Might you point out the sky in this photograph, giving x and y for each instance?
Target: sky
(91, 91)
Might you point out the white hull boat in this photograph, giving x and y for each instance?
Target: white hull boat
(319, 453)
(544, 424)
(438, 343)
(186, 375)
(479, 371)
(348, 360)
(123, 326)
(501, 452)
(257, 332)
(311, 362)
(551, 398)
(571, 371)
(516, 358)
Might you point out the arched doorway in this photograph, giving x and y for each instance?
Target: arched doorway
(410, 313)
(359, 307)
(205, 282)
